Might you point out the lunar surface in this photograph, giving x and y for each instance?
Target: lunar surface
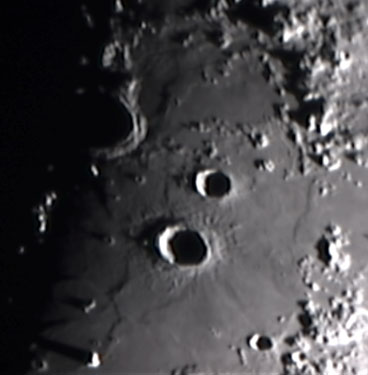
(184, 188)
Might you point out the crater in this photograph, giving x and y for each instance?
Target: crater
(182, 246)
(212, 183)
(100, 120)
(260, 342)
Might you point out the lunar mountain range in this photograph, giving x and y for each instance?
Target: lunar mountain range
(184, 188)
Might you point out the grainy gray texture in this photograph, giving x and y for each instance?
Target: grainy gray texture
(273, 94)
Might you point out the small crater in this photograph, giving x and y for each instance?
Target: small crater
(259, 140)
(260, 342)
(212, 183)
(39, 365)
(264, 165)
(181, 246)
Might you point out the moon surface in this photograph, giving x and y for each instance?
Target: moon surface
(205, 212)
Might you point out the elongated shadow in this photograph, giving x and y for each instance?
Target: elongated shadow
(76, 353)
